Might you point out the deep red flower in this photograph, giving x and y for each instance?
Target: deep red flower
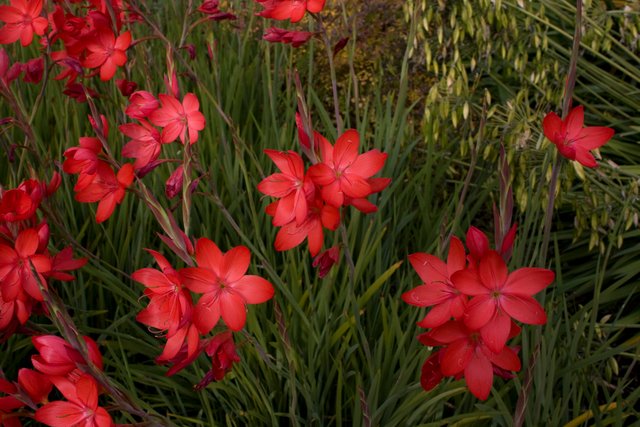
(81, 408)
(326, 260)
(280, 35)
(344, 173)
(466, 353)
(17, 265)
(107, 188)
(126, 87)
(222, 351)
(36, 385)
(572, 139)
(179, 119)
(107, 52)
(290, 9)
(22, 21)
(437, 290)
(291, 186)
(499, 296)
(16, 205)
(174, 183)
(227, 289)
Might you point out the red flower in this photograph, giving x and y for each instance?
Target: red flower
(64, 261)
(290, 186)
(16, 273)
(36, 385)
(57, 358)
(437, 290)
(572, 139)
(83, 160)
(499, 296)
(141, 105)
(16, 205)
(290, 9)
(343, 172)
(107, 188)
(280, 35)
(169, 302)
(221, 278)
(80, 409)
(320, 215)
(145, 143)
(107, 52)
(466, 353)
(179, 119)
(23, 19)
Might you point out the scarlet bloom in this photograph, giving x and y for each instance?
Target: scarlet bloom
(222, 351)
(169, 302)
(83, 160)
(342, 172)
(437, 290)
(179, 119)
(572, 139)
(22, 19)
(141, 104)
(292, 234)
(499, 296)
(80, 409)
(290, 9)
(174, 183)
(107, 52)
(280, 35)
(107, 188)
(16, 272)
(290, 186)
(144, 145)
(466, 353)
(227, 289)
(58, 358)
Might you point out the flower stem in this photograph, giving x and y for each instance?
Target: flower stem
(332, 70)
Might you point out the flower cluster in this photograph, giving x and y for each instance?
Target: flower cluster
(310, 201)
(474, 301)
(224, 290)
(57, 364)
(26, 265)
(92, 39)
(293, 10)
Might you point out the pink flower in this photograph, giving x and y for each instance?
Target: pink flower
(179, 119)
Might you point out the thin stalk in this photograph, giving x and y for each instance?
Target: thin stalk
(521, 404)
(332, 70)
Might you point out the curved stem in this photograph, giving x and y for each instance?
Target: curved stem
(332, 70)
